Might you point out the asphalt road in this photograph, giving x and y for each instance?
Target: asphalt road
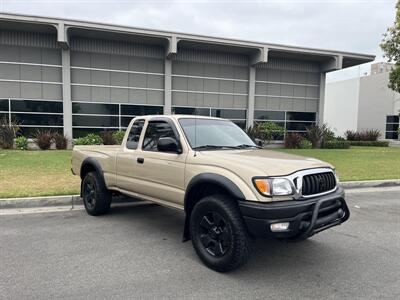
(136, 252)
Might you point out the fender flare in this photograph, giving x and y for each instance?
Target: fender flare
(211, 178)
(90, 161)
(216, 179)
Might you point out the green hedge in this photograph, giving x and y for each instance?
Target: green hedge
(336, 145)
(370, 143)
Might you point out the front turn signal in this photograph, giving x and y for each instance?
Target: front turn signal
(263, 186)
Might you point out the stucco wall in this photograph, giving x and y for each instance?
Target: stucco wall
(341, 105)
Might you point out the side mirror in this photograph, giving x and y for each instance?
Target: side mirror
(169, 144)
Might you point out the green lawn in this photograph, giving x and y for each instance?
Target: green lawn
(358, 163)
(43, 173)
(36, 173)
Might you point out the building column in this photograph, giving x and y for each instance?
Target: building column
(250, 102)
(321, 103)
(167, 86)
(66, 93)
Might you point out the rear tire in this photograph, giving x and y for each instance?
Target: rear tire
(96, 196)
(218, 233)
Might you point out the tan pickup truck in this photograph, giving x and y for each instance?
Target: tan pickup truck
(230, 190)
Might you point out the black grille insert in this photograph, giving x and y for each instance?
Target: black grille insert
(318, 183)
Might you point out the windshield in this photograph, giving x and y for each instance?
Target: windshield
(214, 134)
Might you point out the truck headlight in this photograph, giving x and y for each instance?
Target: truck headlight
(273, 186)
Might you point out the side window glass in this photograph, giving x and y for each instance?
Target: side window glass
(154, 131)
(134, 135)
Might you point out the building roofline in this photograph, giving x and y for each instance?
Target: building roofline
(56, 21)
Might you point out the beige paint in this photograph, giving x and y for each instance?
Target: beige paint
(164, 177)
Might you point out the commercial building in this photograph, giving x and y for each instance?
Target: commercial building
(84, 77)
(364, 102)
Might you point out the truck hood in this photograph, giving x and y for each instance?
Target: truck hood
(267, 162)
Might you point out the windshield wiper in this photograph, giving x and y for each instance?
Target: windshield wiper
(205, 147)
(242, 146)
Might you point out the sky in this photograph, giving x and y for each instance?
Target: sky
(345, 25)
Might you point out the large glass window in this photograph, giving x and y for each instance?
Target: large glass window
(229, 113)
(134, 134)
(154, 131)
(4, 105)
(34, 115)
(198, 111)
(95, 121)
(269, 115)
(36, 106)
(392, 125)
(140, 110)
(95, 108)
(38, 120)
(292, 121)
(90, 117)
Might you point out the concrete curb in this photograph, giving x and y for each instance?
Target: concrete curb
(51, 201)
(74, 200)
(369, 184)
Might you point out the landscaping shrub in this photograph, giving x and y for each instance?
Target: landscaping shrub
(370, 143)
(119, 136)
(7, 133)
(43, 139)
(60, 140)
(305, 144)
(317, 134)
(292, 140)
(363, 135)
(271, 131)
(336, 145)
(90, 139)
(254, 132)
(21, 143)
(108, 137)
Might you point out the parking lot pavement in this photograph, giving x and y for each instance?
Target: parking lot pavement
(136, 252)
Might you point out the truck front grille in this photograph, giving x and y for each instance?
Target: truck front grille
(318, 183)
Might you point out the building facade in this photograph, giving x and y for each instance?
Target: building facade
(78, 77)
(364, 103)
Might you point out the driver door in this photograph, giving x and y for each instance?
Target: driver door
(161, 174)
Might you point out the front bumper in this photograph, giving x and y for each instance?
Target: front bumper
(306, 217)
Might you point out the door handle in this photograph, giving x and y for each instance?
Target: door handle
(140, 160)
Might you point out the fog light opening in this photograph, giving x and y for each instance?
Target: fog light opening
(277, 227)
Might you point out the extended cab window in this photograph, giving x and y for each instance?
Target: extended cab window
(154, 131)
(134, 134)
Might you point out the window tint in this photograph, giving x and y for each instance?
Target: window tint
(154, 131)
(140, 110)
(36, 106)
(269, 115)
(3, 105)
(191, 111)
(134, 134)
(229, 113)
(392, 119)
(95, 108)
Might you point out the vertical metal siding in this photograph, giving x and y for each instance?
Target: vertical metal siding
(211, 57)
(116, 47)
(290, 65)
(28, 39)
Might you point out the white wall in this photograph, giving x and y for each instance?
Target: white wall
(341, 105)
(376, 102)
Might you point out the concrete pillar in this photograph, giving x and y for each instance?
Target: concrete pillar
(167, 86)
(321, 103)
(66, 92)
(250, 102)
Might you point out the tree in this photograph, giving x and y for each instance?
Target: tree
(391, 48)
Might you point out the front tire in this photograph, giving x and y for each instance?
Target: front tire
(218, 233)
(96, 196)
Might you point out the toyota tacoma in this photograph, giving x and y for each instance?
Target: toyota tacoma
(230, 190)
